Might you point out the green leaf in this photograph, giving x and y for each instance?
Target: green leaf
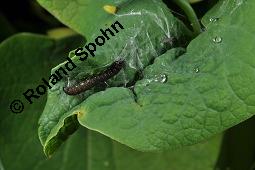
(209, 89)
(155, 33)
(20, 147)
(222, 9)
(25, 59)
(180, 100)
(80, 15)
(61, 32)
(105, 154)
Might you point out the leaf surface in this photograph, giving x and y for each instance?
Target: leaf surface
(25, 59)
(80, 15)
(209, 89)
(19, 144)
(180, 101)
(106, 154)
(149, 30)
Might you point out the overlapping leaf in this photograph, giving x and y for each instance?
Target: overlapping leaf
(25, 59)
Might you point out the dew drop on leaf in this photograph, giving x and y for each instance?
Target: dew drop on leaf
(163, 78)
(197, 70)
(214, 19)
(217, 39)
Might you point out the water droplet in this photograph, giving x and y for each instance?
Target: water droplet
(163, 78)
(106, 163)
(196, 69)
(217, 39)
(160, 78)
(214, 19)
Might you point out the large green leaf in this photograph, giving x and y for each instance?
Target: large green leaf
(180, 100)
(25, 59)
(209, 89)
(19, 145)
(142, 39)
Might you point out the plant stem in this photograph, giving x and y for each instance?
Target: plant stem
(186, 7)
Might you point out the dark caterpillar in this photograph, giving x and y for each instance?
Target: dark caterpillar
(89, 83)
